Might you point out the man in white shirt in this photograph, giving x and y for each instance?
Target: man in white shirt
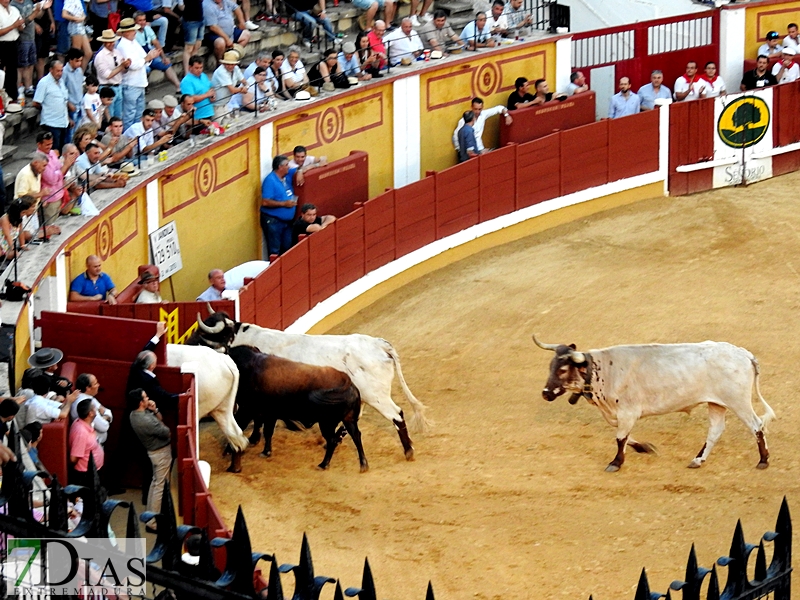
(684, 88)
(88, 386)
(710, 84)
(480, 121)
(11, 23)
(302, 160)
(110, 65)
(134, 78)
(228, 81)
(143, 130)
(497, 21)
(786, 70)
(791, 40)
(402, 43)
(42, 409)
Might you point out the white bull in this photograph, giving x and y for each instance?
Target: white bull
(370, 362)
(629, 382)
(217, 382)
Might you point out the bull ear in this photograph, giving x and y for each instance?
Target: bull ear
(572, 346)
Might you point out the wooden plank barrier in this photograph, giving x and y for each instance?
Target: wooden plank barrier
(457, 198)
(534, 122)
(334, 187)
(379, 231)
(497, 182)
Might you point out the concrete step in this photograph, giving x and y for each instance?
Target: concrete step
(7, 155)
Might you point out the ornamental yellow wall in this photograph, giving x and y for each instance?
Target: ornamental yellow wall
(446, 93)
(214, 200)
(760, 19)
(358, 120)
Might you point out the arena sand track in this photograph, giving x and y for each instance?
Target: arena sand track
(508, 497)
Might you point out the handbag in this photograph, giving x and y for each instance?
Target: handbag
(16, 291)
(113, 20)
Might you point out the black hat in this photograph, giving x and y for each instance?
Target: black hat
(773, 35)
(146, 276)
(45, 357)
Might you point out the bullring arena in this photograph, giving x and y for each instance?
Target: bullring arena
(507, 497)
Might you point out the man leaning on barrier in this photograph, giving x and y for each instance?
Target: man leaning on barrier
(278, 202)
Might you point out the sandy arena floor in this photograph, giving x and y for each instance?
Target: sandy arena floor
(508, 497)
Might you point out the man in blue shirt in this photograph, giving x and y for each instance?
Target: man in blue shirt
(625, 102)
(197, 85)
(477, 34)
(467, 145)
(649, 93)
(52, 98)
(93, 285)
(278, 204)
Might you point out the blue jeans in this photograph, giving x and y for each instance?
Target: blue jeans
(115, 110)
(278, 234)
(309, 22)
(160, 26)
(132, 104)
(62, 37)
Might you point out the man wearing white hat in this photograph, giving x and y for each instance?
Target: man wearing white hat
(349, 63)
(110, 65)
(170, 104)
(227, 81)
(786, 70)
(134, 78)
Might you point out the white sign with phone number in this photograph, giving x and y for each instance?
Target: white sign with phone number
(166, 251)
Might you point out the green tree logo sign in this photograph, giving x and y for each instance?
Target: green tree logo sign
(744, 122)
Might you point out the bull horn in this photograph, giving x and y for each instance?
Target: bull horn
(544, 346)
(211, 311)
(229, 323)
(577, 357)
(215, 329)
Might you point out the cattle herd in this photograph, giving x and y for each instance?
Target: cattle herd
(246, 373)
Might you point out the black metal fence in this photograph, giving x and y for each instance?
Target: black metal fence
(169, 576)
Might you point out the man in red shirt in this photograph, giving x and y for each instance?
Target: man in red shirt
(375, 37)
(83, 442)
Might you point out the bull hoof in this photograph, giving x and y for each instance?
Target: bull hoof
(695, 464)
(233, 469)
(254, 439)
(612, 468)
(762, 465)
(236, 463)
(364, 468)
(266, 454)
(322, 467)
(409, 454)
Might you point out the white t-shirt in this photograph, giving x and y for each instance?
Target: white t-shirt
(789, 75)
(500, 23)
(788, 42)
(8, 16)
(310, 160)
(41, 409)
(711, 88)
(299, 71)
(92, 104)
(682, 84)
(400, 46)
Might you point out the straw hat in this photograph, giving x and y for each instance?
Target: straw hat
(352, 80)
(14, 108)
(108, 36)
(231, 57)
(405, 61)
(127, 25)
(129, 170)
(302, 96)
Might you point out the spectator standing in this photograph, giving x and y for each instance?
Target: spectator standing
(83, 443)
(437, 33)
(221, 17)
(88, 386)
(791, 40)
(480, 121)
(376, 45)
(516, 15)
(786, 70)
(650, 92)
(45, 29)
(309, 222)
(477, 34)
(73, 79)
(759, 77)
(467, 145)
(26, 55)
(134, 78)
(75, 14)
(91, 106)
(403, 43)
(228, 81)
(107, 97)
(216, 279)
(149, 293)
(52, 181)
(11, 24)
(278, 202)
(110, 66)
(772, 47)
(710, 85)
(577, 84)
(193, 27)
(149, 428)
(684, 86)
(624, 102)
(197, 85)
(98, 18)
(520, 96)
(304, 161)
(93, 285)
(146, 38)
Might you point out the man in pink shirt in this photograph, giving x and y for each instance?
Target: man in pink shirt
(83, 442)
(52, 177)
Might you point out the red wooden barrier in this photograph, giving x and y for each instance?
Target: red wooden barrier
(53, 449)
(294, 283)
(415, 215)
(379, 240)
(534, 122)
(247, 303)
(268, 298)
(497, 182)
(336, 186)
(96, 336)
(457, 198)
(785, 125)
(181, 317)
(322, 264)
(633, 145)
(538, 171)
(349, 248)
(691, 140)
(584, 157)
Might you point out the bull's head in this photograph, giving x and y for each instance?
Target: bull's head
(565, 371)
(216, 332)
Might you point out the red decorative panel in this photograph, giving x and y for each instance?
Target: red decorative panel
(622, 161)
(497, 181)
(785, 122)
(457, 198)
(691, 140)
(294, 283)
(322, 263)
(584, 157)
(268, 297)
(379, 242)
(538, 171)
(350, 248)
(415, 215)
(534, 122)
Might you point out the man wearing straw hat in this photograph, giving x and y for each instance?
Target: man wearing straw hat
(134, 78)
(227, 81)
(110, 65)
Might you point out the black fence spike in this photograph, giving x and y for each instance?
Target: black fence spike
(275, 590)
(782, 554)
(713, 585)
(337, 593)
(429, 593)
(643, 588)
(761, 563)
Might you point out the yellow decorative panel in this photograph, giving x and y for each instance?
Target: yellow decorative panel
(358, 120)
(446, 93)
(762, 18)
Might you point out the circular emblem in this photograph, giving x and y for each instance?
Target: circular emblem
(744, 122)
(104, 240)
(329, 125)
(486, 79)
(205, 177)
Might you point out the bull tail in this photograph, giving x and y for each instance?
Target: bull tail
(417, 422)
(769, 414)
(236, 437)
